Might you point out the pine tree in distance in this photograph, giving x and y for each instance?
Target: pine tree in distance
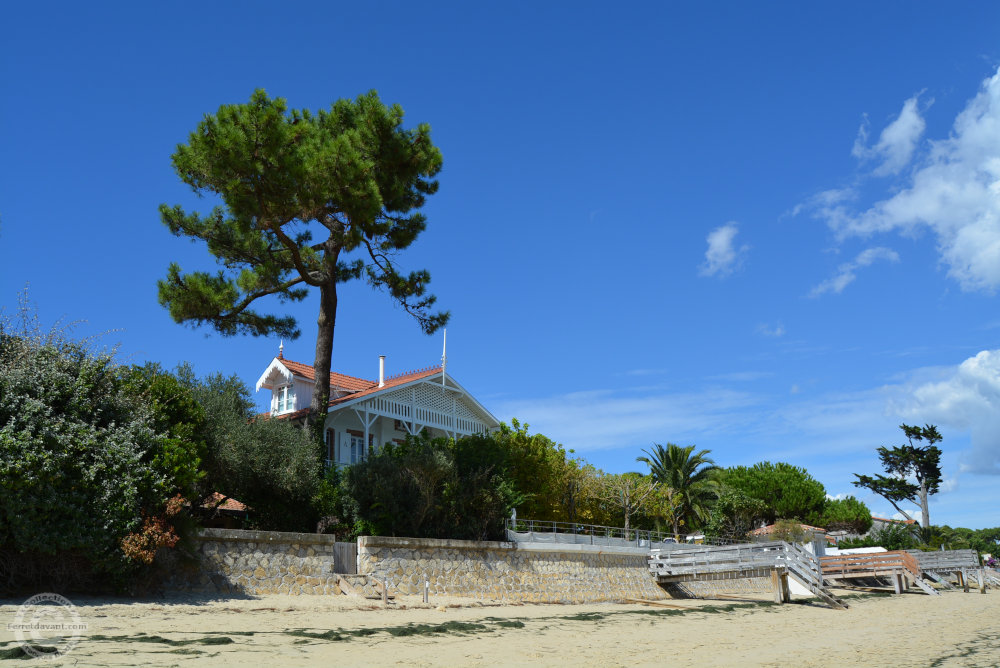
(308, 201)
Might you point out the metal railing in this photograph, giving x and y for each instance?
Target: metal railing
(545, 531)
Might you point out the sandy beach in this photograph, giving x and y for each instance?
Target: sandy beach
(914, 629)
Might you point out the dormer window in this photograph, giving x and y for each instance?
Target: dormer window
(285, 399)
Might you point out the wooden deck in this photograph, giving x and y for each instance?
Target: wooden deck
(777, 560)
(901, 567)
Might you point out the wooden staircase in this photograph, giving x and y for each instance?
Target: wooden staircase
(776, 559)
(805, 568)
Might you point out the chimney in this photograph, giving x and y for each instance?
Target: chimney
(381, 370)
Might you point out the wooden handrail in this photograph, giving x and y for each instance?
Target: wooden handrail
(858, 564)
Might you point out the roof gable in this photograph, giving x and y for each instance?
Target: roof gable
(283, 371)
(424, 378)
(359, 389)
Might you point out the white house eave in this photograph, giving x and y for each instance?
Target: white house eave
(489, 418)
(275, 367)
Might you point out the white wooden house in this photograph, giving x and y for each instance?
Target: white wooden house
(366, 414)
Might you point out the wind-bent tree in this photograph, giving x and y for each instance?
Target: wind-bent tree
(921, 462)
(351, 177)
(689, 476)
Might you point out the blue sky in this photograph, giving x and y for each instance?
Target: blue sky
(768, 229)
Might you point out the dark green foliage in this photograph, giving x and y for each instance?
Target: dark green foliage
(903, 462)
(269, 465)
(482, 494)
(81, 459)
(735, 515)
(352, 169)
(787, 491)
(847, 514)
(432, 488)
(180, 418)
(690, 479)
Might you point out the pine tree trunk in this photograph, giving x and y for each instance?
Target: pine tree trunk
(924, 506)
(318, 407)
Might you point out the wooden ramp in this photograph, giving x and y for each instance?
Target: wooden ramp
(899, 566)
(778, 560)
(960, 564)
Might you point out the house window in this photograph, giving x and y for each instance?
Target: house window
(357, 449)
(286, 399)
(330, 441)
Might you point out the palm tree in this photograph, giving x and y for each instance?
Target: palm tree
(691, 477)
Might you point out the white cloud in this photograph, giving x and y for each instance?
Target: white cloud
(948, 484)
(955, 192)
(896, 144)
(776, 332)
(624, 418)
(967, 398)
(847, 272)
(723, 257)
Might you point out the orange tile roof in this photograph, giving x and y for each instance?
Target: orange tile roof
(336, 379)
(771, 528)
(227, 503)
(392, 381)
(362, 387)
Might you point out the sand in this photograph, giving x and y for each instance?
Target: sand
(912, 629)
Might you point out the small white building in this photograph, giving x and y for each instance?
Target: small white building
(365, 414)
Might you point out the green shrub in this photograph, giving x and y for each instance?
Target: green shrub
(847, 514)
(892, 537)
(82, 466)
(432, 488)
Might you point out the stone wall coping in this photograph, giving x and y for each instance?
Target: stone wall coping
(245, 536)
(570, 548)
(433, 543)
(448, 544)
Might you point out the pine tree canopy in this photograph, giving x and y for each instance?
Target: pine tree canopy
(351, 169)
(308, 201)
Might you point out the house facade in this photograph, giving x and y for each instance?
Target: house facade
(366, 414)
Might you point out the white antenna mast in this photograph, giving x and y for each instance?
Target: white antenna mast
(444, 357)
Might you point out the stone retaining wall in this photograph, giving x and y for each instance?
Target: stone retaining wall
(268, 562)
(258, 562)
(509, 571)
